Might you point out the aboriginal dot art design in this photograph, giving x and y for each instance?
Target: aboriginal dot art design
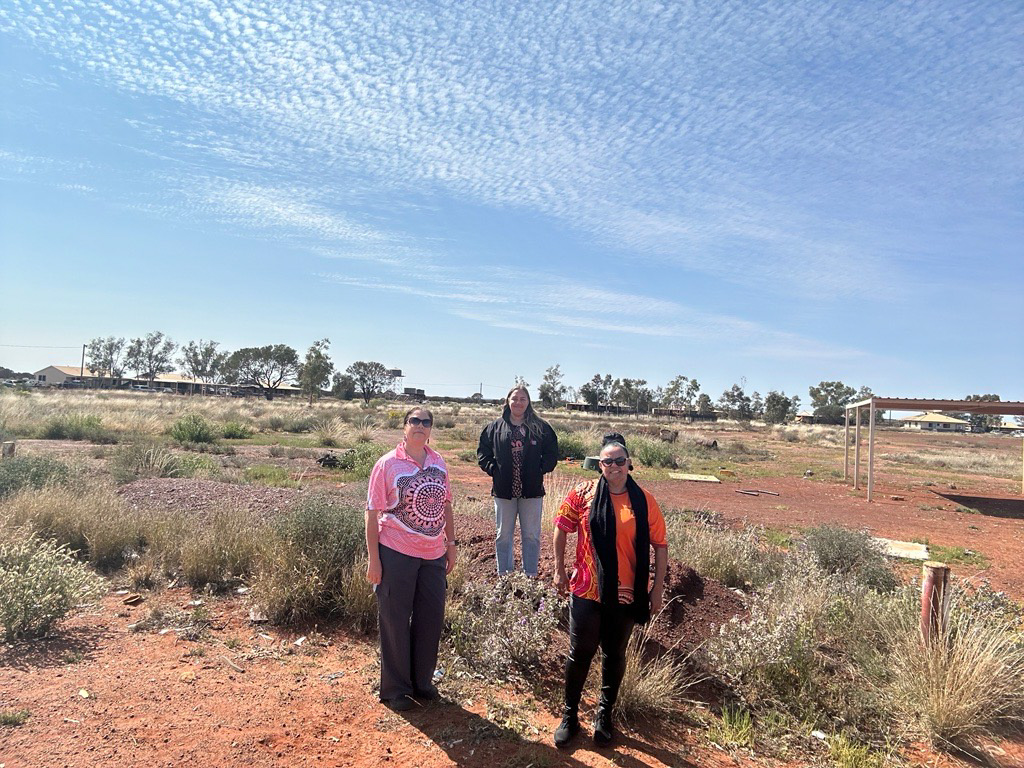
(421, 498)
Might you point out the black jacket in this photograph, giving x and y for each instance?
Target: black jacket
(494, 455)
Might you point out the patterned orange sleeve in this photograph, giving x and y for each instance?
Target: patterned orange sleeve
(568, 517)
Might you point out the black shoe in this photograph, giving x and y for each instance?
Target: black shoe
(603, 732)
(566, 729)
(401, 703)
(428, 694)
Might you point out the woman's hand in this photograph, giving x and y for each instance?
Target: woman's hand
(373, 571)
(657, 599)
(561, 582)
(451, 555)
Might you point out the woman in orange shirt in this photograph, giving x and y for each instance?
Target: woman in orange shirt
(617, 523)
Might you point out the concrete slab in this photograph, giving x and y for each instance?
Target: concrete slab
(908, 550)
(694, 478)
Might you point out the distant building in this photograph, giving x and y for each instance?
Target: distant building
(73, 376)
(936, 422)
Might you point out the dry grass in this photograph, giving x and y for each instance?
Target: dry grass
(556, 488)
(964, 684)
(91, 520)
(652, 686)
(975, 460)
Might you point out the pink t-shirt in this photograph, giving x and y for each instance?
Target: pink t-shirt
(409, 502)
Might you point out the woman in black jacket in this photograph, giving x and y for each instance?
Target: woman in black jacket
(517, 450)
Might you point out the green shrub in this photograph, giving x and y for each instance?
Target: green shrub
(302, 568)
(505, 625)
(300, 424)
(850, 553)
(360, 460)
(193, 465)
(270, 475)
(576, 445)
(76, 426)
(651, 452)
(275, 423)
(235, 430)
(809, 646)
(40, 584)
(393, 420)
(193, 428)
(14, 717)
(30, 471)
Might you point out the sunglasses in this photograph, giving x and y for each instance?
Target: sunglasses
(617, 461)
(416, 421)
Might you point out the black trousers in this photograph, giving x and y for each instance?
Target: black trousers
(592, 624)
(410, 604)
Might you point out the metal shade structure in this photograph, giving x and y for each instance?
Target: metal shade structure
(874, 404)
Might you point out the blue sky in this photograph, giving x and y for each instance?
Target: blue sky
(777, 193)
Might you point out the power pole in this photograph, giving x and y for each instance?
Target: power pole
(81, 373)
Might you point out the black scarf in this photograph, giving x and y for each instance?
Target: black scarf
(602, 534)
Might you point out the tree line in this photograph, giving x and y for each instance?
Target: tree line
(828, 399)
(266, 367)
(270, 366)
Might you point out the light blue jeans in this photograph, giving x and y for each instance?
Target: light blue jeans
(529, 512)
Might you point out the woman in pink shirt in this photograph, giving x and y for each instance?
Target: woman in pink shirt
(411, 548)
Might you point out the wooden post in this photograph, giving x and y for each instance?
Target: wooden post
(871, 449)
(846, 447)
(7, 450)
(856, 454)
(934, 600)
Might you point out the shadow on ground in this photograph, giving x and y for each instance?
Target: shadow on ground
(70, 646)
(472, 741)
(991, 506)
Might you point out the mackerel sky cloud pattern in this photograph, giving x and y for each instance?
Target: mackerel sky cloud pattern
(805, 149)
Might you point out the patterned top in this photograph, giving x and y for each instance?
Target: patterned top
(574, 517)
(518, 439)
(410, 502)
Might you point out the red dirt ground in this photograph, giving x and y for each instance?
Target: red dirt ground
(153, 700)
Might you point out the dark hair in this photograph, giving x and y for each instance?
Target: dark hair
(614, 438)
(405, 419)
(533, 422)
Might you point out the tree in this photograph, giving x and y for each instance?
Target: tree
(264, 367)
(343, 386)
(756, 405)
(828, 400)
(981, 422)
(736, 403)
(552, 390)
(371, 378)
(104, 356)
(633, 393)
(680, 392)
(703, 405)
(150, 356)
(202, 361)
(794, 406)
(776, 407)
(315, 372)
(521, 382)
(598, 390)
